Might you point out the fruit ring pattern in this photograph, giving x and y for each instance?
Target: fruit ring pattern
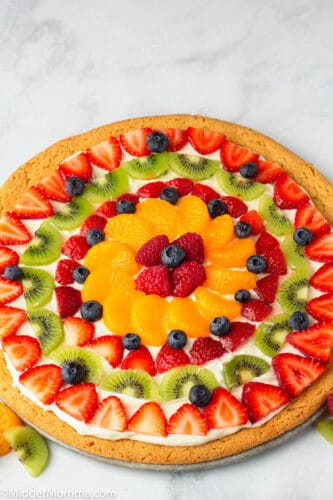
(182, 295)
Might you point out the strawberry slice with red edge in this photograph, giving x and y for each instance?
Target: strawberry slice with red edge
(148, 419)
(267, 172)
(151, 190)
(44, 381)
(168, 358)
(110, 414)
(256, 310)
(235, 207)
(295, 372)
(253, 218)
(308, 216)
(315, 341)
(13, 231)
(237, 335)
(140, 359)
(79, 330)
(9, 290)
(8, 258)
(23, 351)
(177, 138)
(276, 263)
(77, 166)
(33, 205)
(224, 410)
(76, 247)
(205, 349)
(68, 300)
(108, 209)
(322, 279)
(109, 347)
(11, 318)
(135, 141)
(188, 419)
(93, 222)
(234, 156)
(261, 399)
(64, 271)
(266, 288)
(106, 154)
(204, 141)
(266, 242)
(321, 248)
(134, 198)
(79, 401)
(183, 185)
(288, 194)
(321, 307)
(53, 186)
(330, 404)
(205, 193)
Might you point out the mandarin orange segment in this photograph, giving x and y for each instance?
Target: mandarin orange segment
(183, 314)
(148, 315)
(8, 419)
(229, 281)
(117, 311)
(103, 280)
(233, 255)
(114, 254)
(161, 216)
(219, 232)
(211, 305)
(130, 229)
(193, 215)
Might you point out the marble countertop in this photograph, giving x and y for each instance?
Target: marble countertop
(69, 66)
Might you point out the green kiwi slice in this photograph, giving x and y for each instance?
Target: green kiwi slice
(89, 360)
(30, 448)
(276, 221)
(293, 292)
(107, 187)
(147, 167)
(325, 427)
(73, 214)
(134, 383)
(235, 185)
(243, 368)
(48, 328)
(178, 382)
(38, 287)
(44, 248)
(271, 334)
(294, 255)
(192, 166)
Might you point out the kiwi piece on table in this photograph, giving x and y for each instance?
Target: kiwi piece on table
(147, 167)
(294, 255)
(271, 334)
(192, 166)
(325, 427)
(238, 186)
(134, 383)
(47, 326)
(30, 448)
(44, 248)
(293, 292)
(276, 221)
(107, 187)
(178, 382)
(242, 369)
(89, 360)
(38, 286)
(73, 214)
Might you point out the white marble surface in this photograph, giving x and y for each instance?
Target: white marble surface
(70, 65)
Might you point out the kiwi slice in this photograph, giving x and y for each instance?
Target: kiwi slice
(236, 185)
(38, 286)
(271, 334)
(243, 368)
(48, 328)
(293, 293)
(44, 248)
(30, 448)
(192, 166)
(178, 382)
(107, 186)
(325, 427)
(89, 360)
(134, 383)
(294, 255)
(147, 167)
(276, 221)
(73, 214)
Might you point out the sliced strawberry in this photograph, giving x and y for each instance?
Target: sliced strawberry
(8, 258)
(266, 288)
(64, 271)
(77, 166)
(76, 247)
(261, 399)
(276, 263)
(168, 358)
(13, 231)
(253, 218)
(321, 307)
(148, 419)
(330, 404)
(80, 331)
(295, 373)
(109, 347)
(106, 154)
(23, 351)
(53, 186)
(110, 414)
(11, 318)
(308, 216)
(134, 198)
(9, 290)
(151, 190)
(235, 207)
(321, 249)
(204, 141)
(315, 341)
(107, 209)
(256, 310)
(44, 381)
(224, 410)
(79, 401)
(234, 156)
(68, 300)
(93, 222)
(204, 349)
(268, 172)
(140, 359)
(183, 185)
(288, 194)
(188, 419)
(266, 242)
(322, 279)
(134, 142)
(205, 193)
(33, 205)
(237, 335)
(177, 138)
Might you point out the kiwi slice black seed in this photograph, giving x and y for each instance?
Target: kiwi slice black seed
(73, 214)
(293, 292)
(243, 368)
(271, 334)
(38, 286)
(238, 186)
(276, 221)
(44, 248)
(147, 167)
(107, 187)
(134, 383)
(89, 360)
(48, 328)
(192, 166)
(294, 255)
(178, 382)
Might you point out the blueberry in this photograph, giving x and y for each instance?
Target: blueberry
(216, 208)
(298, 320)
(169, 194)
(219, 326)
(74, 186)
(256, 264)
(131, 341)
(80, 274)
(177, 339)
(95, 236)
(248, 170)
(13, 273)
(157, 142)
(125, 207)
(91, 310)
(72, 372)
(199, 395)
(302, 236)
(242, 296)
(172, 256)
(243, 229)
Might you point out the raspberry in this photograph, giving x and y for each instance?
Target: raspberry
(75, 247)
(255, 221)
(168, 358)
(150, 253)
(266, 242)
(154, 280)
(235, 206)
(192, 244)
(107, 209)
(129, 197)
(205, 193)
(68, 300)
(186, 278)
(151, 190)
(204, 349)
(93, 222)
(184, 186)
(64, 271)
(256, 310)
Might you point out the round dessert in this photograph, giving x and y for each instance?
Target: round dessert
(166, 290)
